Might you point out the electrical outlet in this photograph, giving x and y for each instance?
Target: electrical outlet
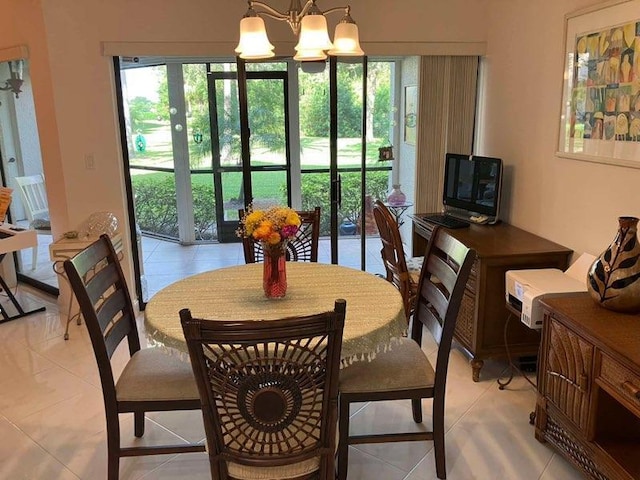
(89, 162)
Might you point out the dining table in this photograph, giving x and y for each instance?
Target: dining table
(374, 321)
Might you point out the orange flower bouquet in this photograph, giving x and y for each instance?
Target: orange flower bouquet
(273, 228)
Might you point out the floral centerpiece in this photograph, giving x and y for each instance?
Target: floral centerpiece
(272, 228)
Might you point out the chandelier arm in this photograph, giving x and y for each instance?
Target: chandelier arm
(270, 12)
(307, 6)
(337, 9)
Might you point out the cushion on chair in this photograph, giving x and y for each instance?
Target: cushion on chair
(152, 374)
(296, 470)
(414, 266)
(405, 366)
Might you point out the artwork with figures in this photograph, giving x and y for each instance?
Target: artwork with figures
(601, 112)
(605, 100)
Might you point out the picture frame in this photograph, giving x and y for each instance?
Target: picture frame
(410, 113)
(600, 108)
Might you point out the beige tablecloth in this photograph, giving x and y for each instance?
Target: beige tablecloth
(375, 317)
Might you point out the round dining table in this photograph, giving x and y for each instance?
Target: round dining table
(374, 320)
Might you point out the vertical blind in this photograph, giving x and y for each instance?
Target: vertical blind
(446, 121)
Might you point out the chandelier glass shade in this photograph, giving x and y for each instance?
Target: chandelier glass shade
(309, 23)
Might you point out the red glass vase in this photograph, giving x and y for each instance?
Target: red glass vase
(274, 276)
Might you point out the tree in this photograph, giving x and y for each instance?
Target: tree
(141, 109)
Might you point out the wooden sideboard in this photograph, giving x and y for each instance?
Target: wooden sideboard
(483, 314)
(589, 387)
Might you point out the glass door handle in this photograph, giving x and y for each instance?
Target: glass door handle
(336, 194)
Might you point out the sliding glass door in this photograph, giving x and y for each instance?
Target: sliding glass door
(202, 143)
(264, 176)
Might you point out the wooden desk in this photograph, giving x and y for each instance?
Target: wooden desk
(589, 386)
(481, 321)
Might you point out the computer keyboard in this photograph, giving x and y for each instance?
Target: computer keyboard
(446, 221)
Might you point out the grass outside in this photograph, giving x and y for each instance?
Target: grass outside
(314, 151)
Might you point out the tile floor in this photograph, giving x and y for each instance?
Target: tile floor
(52, 425)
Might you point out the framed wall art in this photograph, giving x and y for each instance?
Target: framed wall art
(600, 110)
(410, 113)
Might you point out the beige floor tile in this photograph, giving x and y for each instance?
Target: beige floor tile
(385, 417)
(192, 466)
(187, 424)
(560, 469)
(33, 393)
(16, 361)
(21, 457)
(366, 467)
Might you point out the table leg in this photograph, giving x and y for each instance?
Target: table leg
(58, 268)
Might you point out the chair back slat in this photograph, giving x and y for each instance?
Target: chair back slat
(302, 248)
(99, 285)
(443, 279)
(268, 389)
(392, 253)
(113, 337)
(111, 310)
(34, 196)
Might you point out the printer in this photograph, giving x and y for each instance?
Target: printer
(525, 288)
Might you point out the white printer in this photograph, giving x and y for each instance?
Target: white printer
(525, 288)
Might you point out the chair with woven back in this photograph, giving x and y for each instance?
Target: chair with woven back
(393, 257)
(269, 393)
(302, 248)
(152, 380)
(404, 372)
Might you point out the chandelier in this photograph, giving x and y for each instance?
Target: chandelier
(308, 23)
(15, 81)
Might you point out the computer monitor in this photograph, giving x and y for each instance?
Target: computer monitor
(472, 186)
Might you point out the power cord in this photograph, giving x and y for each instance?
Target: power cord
(512, 366)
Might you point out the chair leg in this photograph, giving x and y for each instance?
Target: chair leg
(343, 439)
(138, 424)
(438, 438)
(113, 466)
(416, 407)
(34, 257)
(113, 447)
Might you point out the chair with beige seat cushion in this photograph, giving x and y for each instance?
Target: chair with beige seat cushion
(404, 372)
(396, 265)
(269, 392)
(152, 380)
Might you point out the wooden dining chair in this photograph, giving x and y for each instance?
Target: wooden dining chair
(393, 257)
(269, 393)
(152, 380)
(404, 372)
(302, 248)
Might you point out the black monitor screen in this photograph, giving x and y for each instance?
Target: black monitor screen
(472, 183)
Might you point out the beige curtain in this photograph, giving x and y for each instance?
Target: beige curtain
(446, 118)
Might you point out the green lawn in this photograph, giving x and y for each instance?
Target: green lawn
(314, 151)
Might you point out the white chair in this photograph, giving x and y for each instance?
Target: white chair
(34, 198)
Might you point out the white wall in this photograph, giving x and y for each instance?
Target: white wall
(570, 202)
